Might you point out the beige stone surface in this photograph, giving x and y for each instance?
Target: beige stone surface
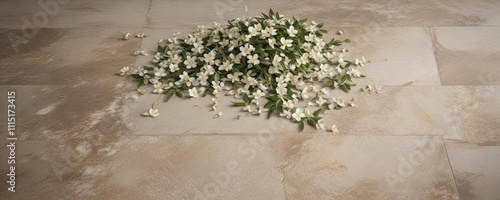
(475, 169)
(468, 55)
(73, 14)
(338, 13)
(66, 56)
(234, 167)
(431, 133)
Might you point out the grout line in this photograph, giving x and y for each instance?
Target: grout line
(147, 14)
(433, 37)
(451, 167)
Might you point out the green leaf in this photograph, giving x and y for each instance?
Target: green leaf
(238, 104)
(270, 112)
(168, 95)
(301, 125)
(246, 99)
(317, 112)
(178, 93)
(135, 76)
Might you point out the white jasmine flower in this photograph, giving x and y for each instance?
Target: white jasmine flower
(158, 87)
(234, 77)
(258, 94)
(351, 103)
(193, 92)
(209, 69)
(218, 115)
(140, 52)
(289, 104)
(320, 125)
(324, 91)
(190, 62)
(160, 72)
(354, 72)
(253, 59)
(230, 93)
(320, 101)
(303, 94)
(286, 113)
(151, 113)
(291, 31)
(285, 43)
(298, 114)
(333, 129)
(141, 35)
(276, 60)
(252, 81)
(126, 36)
(185, 78)
(339, 101)
(246, 50)
(281, 89)
(271, 42)
(125, 70)
(209, 57)
(173, 67)
(202, 77)
(226, 65)
(358, 63)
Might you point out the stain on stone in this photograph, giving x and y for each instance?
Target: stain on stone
(442, 188)
(335, 166)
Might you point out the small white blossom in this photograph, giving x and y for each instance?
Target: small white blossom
(333, 129)
(298, 114)
(218, 115)
(193, 92)
(253, 59)
(140, 52)
(151, 113)
(291, 31)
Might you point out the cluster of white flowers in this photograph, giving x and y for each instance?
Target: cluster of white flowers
(282, 60)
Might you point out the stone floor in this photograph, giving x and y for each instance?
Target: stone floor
(432, 133)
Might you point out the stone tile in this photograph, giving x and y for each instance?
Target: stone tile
(147, 167)
(66, 112)
(476, 169)
(397, 55)
(468, 55)
(67, 56)
(455, 112)
(338, 13)
(367, 168)
(73, 14)
(233, 167)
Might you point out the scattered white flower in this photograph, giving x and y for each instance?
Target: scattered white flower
(333, 129)
(125, 71)
(354, 72)
(218, 115)
(351, 103)
(126, 36)
(140, 52)
(153, 112)
(193, 92)
(141, 35)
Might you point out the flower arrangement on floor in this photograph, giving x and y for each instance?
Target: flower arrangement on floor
(283, 61)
